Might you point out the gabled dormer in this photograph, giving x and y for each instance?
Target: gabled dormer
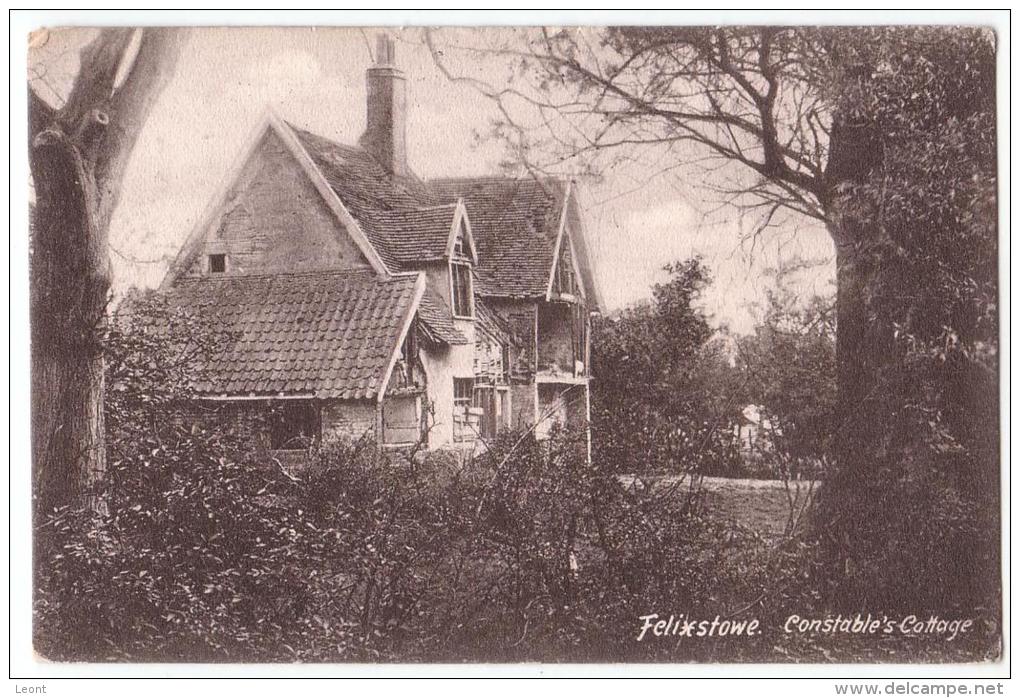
(565, 280)
(565, 284)
(461, 258)
(461, 245)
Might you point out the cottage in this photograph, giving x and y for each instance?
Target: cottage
(754, 431)
(363, 299)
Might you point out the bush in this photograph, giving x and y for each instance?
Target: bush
(206, 549)
(198, 557)
(206, 552)
(661, 399)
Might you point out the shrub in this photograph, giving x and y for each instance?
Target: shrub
(661, 400)
(206, 549)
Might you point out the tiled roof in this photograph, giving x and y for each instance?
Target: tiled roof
(359, 180)
(411, 235)
(437, 320)
(323, 334)
(514, 222)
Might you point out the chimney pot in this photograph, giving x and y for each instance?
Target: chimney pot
(385, 53)
(385, 134)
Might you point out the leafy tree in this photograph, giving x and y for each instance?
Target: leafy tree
(886, 136)
(79, 145)
(789, 370)
(207, 550)
(655, 402)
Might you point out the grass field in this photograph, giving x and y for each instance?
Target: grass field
(768, 507)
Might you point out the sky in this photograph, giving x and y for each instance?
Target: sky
(315, 78)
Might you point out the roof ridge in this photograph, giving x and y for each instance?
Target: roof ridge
(434, 207)
(498, 178)
(278, 274)
(430, 180)
(356, 147)
(301, 131)
(417, 209)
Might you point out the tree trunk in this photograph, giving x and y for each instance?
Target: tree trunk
(79, 155)
(864, 349)
(864, 341)
(67, 412)
(69, 287)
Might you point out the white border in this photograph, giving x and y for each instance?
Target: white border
(23, 663)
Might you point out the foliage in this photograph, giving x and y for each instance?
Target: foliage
(655, 403)
(182, 560)
(928, 506)
(887, 136)
(788, 370)
(208, 555)
(206, 549)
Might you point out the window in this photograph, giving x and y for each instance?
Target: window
(463, 303)
(401, 421)
(580, 338)
(565, 271)
(463, 391)
(293, 425)
(461, 250)
(409, 353)
(217, 263)
(504, 407)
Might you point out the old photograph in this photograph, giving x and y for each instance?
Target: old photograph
(489, 345)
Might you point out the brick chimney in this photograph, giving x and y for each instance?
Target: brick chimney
(385, 134)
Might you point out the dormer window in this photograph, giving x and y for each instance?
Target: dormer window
(217, 263)
(461, 247)
(565, 283)
(462, 291)
(409, 354)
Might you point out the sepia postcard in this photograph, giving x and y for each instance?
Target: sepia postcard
(663, 344)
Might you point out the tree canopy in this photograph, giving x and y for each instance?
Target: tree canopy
(887, 136)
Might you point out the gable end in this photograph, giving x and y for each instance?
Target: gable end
(275, 212)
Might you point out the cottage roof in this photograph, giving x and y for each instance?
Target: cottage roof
(319, 334)
(412, 235)
(515, 222)
(334, 334)
(437, 320)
